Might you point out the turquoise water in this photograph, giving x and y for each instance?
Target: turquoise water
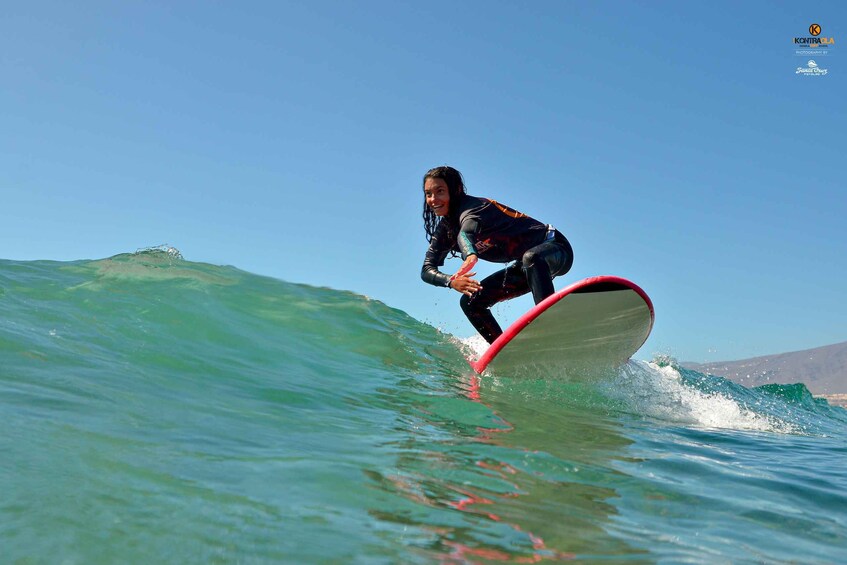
(159, 410)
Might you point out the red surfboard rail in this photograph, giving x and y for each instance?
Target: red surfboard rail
(480, 364)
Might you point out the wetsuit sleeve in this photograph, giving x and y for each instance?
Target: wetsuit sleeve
(435, 255)
(431, 274)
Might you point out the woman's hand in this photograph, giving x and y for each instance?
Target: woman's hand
(462, 280)
(465, 284)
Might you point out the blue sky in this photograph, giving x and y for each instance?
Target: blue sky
(672, 142)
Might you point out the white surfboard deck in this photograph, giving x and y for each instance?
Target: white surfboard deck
(593, 324)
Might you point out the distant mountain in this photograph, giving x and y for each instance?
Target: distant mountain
(823, 370)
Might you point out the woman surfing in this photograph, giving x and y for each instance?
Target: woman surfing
(479, 228)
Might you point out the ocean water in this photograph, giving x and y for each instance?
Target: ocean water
(156, 410)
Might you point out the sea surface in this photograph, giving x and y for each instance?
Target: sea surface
(157, 410)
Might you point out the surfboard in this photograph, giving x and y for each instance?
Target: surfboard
(593, 324)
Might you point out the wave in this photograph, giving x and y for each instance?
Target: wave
(154, 300)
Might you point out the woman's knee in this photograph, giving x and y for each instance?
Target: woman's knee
(556, 259)
(465, 303)
(471, 304)
(530, 259)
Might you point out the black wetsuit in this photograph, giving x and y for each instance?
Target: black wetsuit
(497, 233)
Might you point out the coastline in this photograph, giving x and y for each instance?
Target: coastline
(835, 399)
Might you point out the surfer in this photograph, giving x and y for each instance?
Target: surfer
(479, 228)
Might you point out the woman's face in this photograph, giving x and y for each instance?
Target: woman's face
(437, 196)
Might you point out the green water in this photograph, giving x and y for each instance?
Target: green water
(159, 410)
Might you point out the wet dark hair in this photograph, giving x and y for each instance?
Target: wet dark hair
(455, 188)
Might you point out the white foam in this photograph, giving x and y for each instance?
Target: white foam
(475, 345)
(659, 392)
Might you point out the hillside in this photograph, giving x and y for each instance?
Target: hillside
(823, 370)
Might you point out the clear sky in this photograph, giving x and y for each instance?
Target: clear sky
(674, 144)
